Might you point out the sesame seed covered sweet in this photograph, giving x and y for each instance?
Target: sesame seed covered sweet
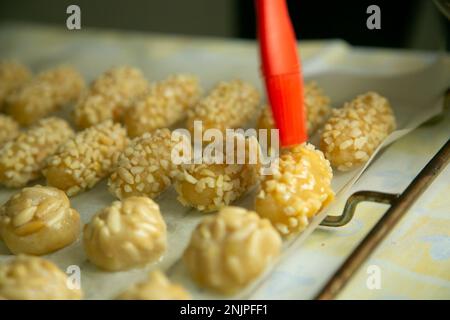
(230, 249)
(353, 132)
(47, 92)
(9, 129)
(34, 278)
(209, 185)
(228, 105)
(127, 234)
(22, 159)
(12, 76)
(38, 220)
(164, 105)
(86, 158)
(297, 190)
(109, 96)
(156, 287)
(317, 107)
(144, 168)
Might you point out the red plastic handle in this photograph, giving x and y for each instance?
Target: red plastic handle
(281, 69)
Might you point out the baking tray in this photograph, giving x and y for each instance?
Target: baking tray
(414, 83)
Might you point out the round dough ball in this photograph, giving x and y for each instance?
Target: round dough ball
(230, 249)
(216, 182)
(38, 220)
(353, 133)
(33, 278)
(156, 287)
(127, 234)
(208, 187)
(297, 190)
(9, 129)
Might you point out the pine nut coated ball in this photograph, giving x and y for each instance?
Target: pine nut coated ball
(145, 167)
(125, 235)
(86, 158)
(230, 249)
(166, 103)
(13, 75)
(34, 278)
(353, 133)
(23, 158)
(156, 287)
(38, 220)
(49, 91)
(297, 190)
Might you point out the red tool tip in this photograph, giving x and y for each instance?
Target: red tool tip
(281, 69)
(285, 93)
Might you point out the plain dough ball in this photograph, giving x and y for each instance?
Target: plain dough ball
(230, 249)
(34, 278)
(156, 287)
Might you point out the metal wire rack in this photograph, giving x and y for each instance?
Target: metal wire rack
(399, 204)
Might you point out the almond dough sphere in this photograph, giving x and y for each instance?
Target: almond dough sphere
(22, 159)
(297, 190)
(156, 287)
(34, 278)
(13, 75)
(230, 249)
(209, 186)
(85, 159)
(164, 105)
(47, 92)
(353, 132)
(9, 129)
(317, 106)
(38, 220)
(228, 105)
(145, 167)
(94, 108)
(109, 96)
(127, 234)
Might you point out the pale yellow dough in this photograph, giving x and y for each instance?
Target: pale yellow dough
(127, 234)
(156, 287)
(38, 220)
(297, 190)
(33, 278)
(230, 249)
